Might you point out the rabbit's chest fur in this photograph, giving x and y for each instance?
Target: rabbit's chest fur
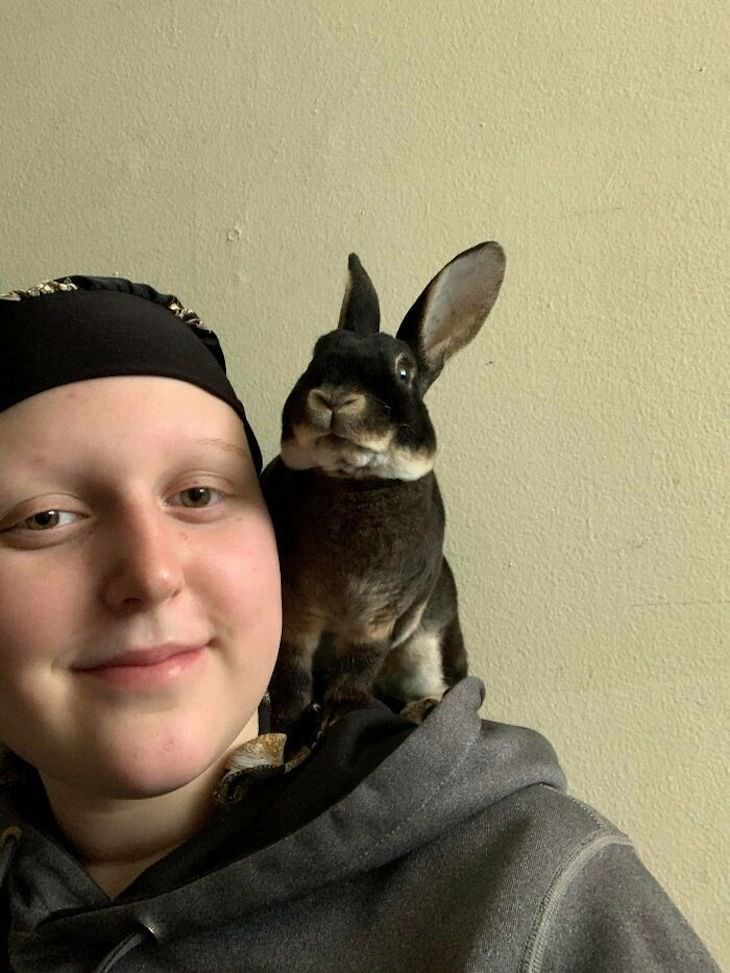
(358, 556)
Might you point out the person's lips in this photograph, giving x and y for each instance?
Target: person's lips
(146, 667)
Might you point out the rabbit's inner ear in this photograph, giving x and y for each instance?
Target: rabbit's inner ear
(360, 310)
(452, 309)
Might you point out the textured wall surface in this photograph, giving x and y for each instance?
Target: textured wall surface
(235, 152)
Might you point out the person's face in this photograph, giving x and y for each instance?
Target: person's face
(131, 528)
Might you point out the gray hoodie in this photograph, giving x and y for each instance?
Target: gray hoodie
(449, 848)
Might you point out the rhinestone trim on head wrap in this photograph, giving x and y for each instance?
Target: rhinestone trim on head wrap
(45, 287)
(185, 314)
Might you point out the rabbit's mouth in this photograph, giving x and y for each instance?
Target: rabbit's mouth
(356, 449)
(341, 456)
(334, 439)
(347, 452)
(338, 441)
(334, 453)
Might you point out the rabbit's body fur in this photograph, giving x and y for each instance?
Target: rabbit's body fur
(369, 600)
(387, 581)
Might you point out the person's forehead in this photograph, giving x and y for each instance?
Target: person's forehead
(119, 410)
(115, 451)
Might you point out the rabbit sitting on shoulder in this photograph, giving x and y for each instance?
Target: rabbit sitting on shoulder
(369, 599)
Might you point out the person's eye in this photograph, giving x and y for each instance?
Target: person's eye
(198, 497)
(46, 520)
(41, 522)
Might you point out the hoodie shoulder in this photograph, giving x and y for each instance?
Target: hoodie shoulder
(604, 911)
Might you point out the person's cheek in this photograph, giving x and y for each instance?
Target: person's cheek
(247, 583)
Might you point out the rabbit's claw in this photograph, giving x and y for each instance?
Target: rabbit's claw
(418, 709)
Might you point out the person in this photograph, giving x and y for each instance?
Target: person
(149, 822)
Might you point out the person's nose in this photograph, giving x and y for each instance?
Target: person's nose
(144, 559)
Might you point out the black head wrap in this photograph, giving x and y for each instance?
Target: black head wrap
(76, 328)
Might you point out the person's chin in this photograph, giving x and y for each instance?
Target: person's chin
(166, 764)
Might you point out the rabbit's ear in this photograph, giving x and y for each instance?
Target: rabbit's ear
(360, 307)
(452, 308)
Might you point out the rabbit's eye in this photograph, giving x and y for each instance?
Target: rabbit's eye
(404, 371)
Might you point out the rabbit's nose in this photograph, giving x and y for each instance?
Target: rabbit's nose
(335, 400)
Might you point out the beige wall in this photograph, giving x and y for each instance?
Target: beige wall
(236, 151)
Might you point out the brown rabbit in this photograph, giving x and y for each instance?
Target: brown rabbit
(369, 599)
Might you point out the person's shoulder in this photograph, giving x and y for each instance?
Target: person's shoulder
(596, 905)
(570, 822)
(577, 892)
(558, 833)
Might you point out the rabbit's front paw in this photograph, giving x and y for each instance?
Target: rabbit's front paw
(418, 709)
(339, 705)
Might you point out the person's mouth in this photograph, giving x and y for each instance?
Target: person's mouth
(149, 666)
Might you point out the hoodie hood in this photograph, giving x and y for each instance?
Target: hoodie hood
(445, 771)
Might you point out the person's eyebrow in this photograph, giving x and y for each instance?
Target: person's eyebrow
(224, 444)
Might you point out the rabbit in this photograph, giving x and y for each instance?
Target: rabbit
(369, 600)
